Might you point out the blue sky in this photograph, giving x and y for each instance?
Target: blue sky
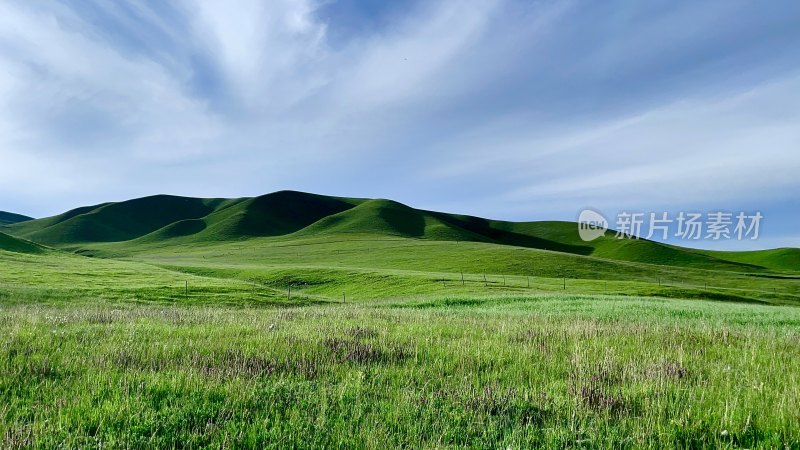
(518, 110)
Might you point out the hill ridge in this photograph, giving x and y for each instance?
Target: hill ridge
(16, 245)
(7, 218)
(176, 220)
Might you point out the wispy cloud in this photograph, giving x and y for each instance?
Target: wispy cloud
(729, 149)
(512, 109)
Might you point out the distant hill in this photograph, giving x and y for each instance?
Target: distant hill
(16, 245)
(7, 218)
(170, 220)
(782, 259)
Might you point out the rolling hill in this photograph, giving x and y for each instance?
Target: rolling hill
(115, 222)
(16, 245)
(389, 218)
(164, 220)
(7, 218)
(781, 259)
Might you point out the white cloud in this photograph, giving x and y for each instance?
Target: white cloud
(457, 103)
(408, 64)
(705, 150)
(71, 98)
(267, 51)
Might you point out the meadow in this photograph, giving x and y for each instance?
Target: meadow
(545, 370)
(374, 339)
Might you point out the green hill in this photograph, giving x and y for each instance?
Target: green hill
(12, 244)
(29, 227)
(564, 237)
(164, 220)
(389, 218)
(115, 222)
(275, 214)
(7, 218)
(781, 259)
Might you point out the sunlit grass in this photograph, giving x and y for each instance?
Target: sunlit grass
(228, 351)
(483, 372)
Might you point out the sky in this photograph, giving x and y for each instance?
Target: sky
(509, 109)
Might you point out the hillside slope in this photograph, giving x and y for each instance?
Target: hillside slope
(781, 259)
(564, 237)
(115, 222)
(7, 218)
(389, 218)
(276, 214)
(164, 220)
(16, 245)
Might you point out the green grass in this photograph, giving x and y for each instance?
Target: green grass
(12, 244)
(520, 372)
(421, 265)
(779, 259)
(163, 220)
(116, 353)
(7, 218)
(293, 320)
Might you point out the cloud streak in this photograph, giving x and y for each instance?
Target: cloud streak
(498, 107)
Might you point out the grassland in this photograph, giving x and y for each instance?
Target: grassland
(519, 372)
(163, 221)
(367, 324)
(116, 353)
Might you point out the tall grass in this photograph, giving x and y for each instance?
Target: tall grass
(476, 372)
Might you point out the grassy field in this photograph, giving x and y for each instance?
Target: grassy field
(496, 371)
(116, 353)
(152, 223)
(367, 324)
